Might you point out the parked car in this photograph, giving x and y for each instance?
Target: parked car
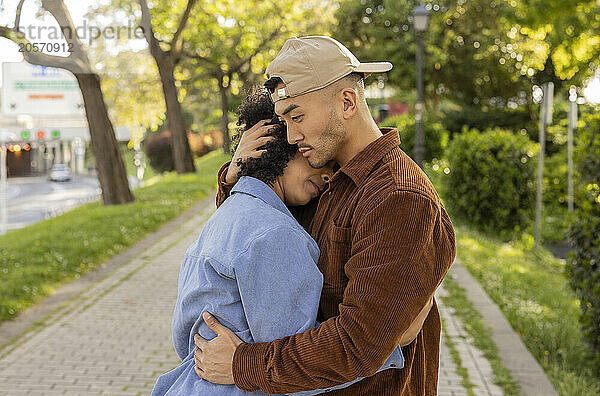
(60, 172)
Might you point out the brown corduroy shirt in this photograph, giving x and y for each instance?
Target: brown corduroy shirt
(386, 243)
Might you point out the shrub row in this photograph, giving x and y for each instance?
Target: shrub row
(160, 154)
(436, 137)
(491, 180)
(583, 266)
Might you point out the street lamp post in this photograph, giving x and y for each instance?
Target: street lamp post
(572, 125)
(420, 20)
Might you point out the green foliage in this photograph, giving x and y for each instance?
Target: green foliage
(163, 125)
(159, 152)
(530, 287)
(131, 86)
(466, 57)
(555, 197)
(583, 267)
(36, 260)
(491, 180)
(482, 52)
(584, 273)
(436, 137)
(482, 118)
(569, 29)
(555, 190)
(231, 44)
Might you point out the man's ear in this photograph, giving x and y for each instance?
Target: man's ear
(349, 103)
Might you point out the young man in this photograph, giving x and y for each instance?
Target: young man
(386, 242)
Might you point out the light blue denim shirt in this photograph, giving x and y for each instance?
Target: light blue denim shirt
(255, 269)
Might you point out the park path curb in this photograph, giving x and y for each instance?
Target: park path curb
(50, 305)
(109, 331)
(114, 337)
(515, 356)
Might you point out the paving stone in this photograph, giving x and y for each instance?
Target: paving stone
(116, 337)
(479, 370)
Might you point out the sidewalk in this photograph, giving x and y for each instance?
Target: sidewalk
(115, 337)
(479, 370)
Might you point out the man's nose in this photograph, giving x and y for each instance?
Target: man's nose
(293, 136)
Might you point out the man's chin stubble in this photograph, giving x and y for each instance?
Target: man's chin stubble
(317, 165)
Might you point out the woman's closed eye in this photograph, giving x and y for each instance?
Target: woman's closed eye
(297, 118)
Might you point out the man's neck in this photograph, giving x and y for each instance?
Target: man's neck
(360, 134)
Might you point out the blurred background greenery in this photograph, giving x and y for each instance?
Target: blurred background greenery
(484, 64)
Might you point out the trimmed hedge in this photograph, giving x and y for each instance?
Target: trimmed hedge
(583, 265)
(492, 179)
(436, 137)
(159, 152)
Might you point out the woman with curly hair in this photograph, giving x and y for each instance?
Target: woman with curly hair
(253, 267)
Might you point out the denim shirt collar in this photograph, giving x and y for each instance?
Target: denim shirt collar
(258, 189)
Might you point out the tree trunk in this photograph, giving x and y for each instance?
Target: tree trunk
(111, 169)
(224, 114)
(182, 154)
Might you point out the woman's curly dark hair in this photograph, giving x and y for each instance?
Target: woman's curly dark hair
(270, 165)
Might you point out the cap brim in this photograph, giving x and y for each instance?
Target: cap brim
(374, 67)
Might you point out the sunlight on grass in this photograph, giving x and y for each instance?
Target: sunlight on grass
(532, 291)
(509, 251)
(470, 243)
(519, 268)
(38, 259)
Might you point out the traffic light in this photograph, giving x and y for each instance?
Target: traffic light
(40, 134)
(56, 134)
(25, 135)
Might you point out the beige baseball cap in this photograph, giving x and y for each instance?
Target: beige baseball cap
(310, 63)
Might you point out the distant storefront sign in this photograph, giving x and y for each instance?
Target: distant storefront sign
(39, 90)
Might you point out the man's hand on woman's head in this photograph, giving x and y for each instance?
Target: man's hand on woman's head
(248, 146)
(214, 358)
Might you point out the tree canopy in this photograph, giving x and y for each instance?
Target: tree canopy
(480, 51)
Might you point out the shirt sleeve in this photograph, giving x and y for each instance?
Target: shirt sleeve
(280, 289)
(279, 283)
(401, 249)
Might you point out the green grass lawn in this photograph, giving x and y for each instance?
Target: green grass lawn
(530, 287)
(36, 260)
(127, 155)
(130, 167)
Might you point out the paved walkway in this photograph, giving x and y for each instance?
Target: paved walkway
(115, 338)
(479, 370)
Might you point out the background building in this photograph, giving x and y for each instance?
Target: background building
(42, 110)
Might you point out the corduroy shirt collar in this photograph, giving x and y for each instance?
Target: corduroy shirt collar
(359, 167)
